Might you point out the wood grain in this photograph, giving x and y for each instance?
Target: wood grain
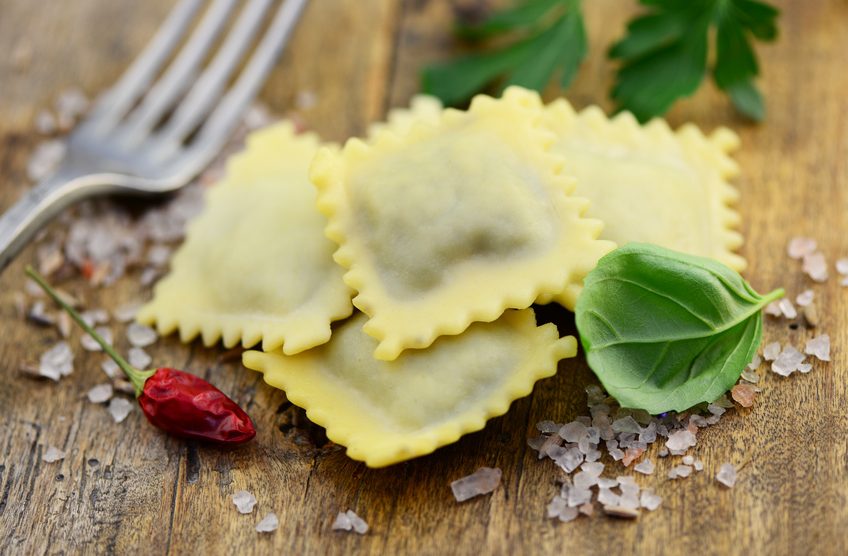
(128, 489)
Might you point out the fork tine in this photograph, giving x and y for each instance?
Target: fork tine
(208, 88)
(226, 116)
(179, 75)
(113, 104)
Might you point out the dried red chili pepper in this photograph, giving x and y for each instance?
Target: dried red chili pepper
(177, 402)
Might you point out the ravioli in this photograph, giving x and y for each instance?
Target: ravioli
(422, 108)
(651, 184)
(387, 412)
(454, 221)
(255, 265)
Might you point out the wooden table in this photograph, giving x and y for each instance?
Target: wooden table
(127, 488)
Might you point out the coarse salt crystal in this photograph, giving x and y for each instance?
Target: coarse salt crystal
(815, 266)
(574, 431)
(716, 410)
(744, 394)
(140, 335)
(268, 524)
(593, 468)
(569, 460)
(45, 123)
(649, 500)
(111, 368)
(771, 351)
(679, 471)
(90, 344)
(245, 501)
(805, 367)
(726, 475)
(805, 298)
(626, 424)
(100, 393)
(607, 497)
(482, 481)
(800, 246)
(646, 467)
(699, 465)
(584, 480)
(53, 454)
(587, 509)
(57, 362)
(842, 265)
(787, 362)
(688, 460)
(579, 496)
(755, 363)
(787, 308)
(547, 427)
(45, 158)
(750, 376)
(680, 440)
(126, 312)
(139, 358)
(773, 309)
(819, 347)
(119, 408)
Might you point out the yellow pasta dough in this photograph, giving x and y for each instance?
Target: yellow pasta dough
(455, 221)
(387, 412)
(255, 265)
(422, 108)
(651, 184)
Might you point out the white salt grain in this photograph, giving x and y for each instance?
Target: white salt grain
(482, 481)
(126, 312)
(680, 440)
(815, 266)
(842, 266)
(755, 363)
(53, 454)
(111, 368)
(649, 500)
(716, 410)
(579, 496)
(800, 246)
(100, 393)
(547, 427)
(771, 351)
(268, 524)
(787, 362)
(805, 367)
(245, 501)
(140, 335)
(45, 123)
(679, 471)
(819, 347)
(584, 480)
(626, 424)
(139, 358)
(607, 497)
(574, 431)
(90, 344)
(787, 308)
(699, 465)
(119, 408)
(805, 298)
(688, 460)
(750, 376)
(726, 475)
(646, 467)
(57, 362)
(342, 523)
(349, 521)
(773, 309)
(593, 468)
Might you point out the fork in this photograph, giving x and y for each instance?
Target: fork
(123, 145)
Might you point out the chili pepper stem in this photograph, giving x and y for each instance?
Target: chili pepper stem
(136, 376)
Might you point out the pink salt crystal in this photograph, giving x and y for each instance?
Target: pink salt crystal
(815, 266)
(726, 475)
(646, 467)
(482, 481)
(570, 460)
(805, 298)
(743, 394)
(819, 347)
(587, 509)
(771, 351)
(800, 246)
(842, 265)
(631, 455)
(773, 309)
(787, 308)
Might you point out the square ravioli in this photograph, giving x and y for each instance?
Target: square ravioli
(454, 221)
(256, 265)
(385, 412)
(650, 184)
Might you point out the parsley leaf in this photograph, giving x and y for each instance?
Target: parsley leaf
(544, 37)
(664, 53)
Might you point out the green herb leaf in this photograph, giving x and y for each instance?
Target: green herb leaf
(546, 37)
(664, 53)
(666, 331)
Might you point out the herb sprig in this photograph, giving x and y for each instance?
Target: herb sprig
(664, 53)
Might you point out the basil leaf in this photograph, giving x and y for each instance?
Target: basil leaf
(666, 331)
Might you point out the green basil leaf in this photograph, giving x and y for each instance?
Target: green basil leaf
(666, 331)
(526, 14)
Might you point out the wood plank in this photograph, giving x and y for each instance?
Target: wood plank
(127, 488)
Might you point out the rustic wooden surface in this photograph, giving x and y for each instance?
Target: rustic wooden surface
(127, 488)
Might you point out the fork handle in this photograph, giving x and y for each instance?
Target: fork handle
(41, 203)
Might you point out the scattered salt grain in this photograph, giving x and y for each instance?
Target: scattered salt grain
(607, 497)
(140, 335)
(621, 511)
(787, 308)
(842, 266)
(787, 362)
(268, 524)
(805, 298)
(119, 408)
(716, 410)
(558, 508)
(805, 368)
(646, 467)
(90, 344)
(38, 314)
(57, 362)
(349, 521)
(482, 481)
(111, 368)
(773, 309)
(584, 480)
(755, 363)
(547, 427)
(45, 123)
(771, 351)
(245, 501)
(70, 105)
(579, 496)
(750, 376)
(100, 393)
(726, 475)
(679, 471)
(45, 158)
(800, 246)
(649, 500)
(574, 431)
(53, 454)
(626, 424)
(126, 312)
(158, 255)
(139, 358)
(593, 468)
(680, 441)
(815, 266)
(688, 460)
(819, 347)
(744, 394)
(95, 316)
(587, 509)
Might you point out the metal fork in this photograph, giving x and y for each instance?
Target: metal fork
(121, 147)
